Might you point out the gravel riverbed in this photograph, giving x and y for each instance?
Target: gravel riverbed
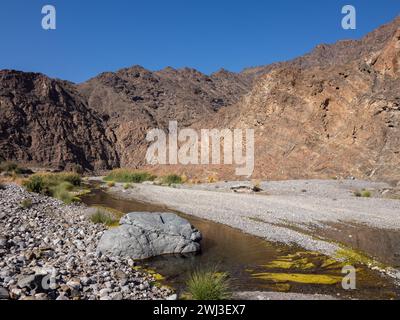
(286, 211)
(48, 251)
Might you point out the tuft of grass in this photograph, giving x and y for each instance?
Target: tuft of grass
(171, 179)
(129, 176)
(71, 177)
(366, 194)
(26, 204)
(13, 169)
(62, 192)
(363, 194)
(127, 186)
(111, 184)
(184, 178)
(57, 185)
(208, 285)
(35, 184)
(103, 217)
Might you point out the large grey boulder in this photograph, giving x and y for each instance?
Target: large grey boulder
(143, 235)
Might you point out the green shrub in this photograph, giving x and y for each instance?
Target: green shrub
(57, 185)
(363, 194)
(129, 176)
(35, 184)
(26, 204)
(73, 178)
(13, 168)
(62, 192)
(103, 217)
(127, 186)
(171, 179)
(208, 285)
(366, 194)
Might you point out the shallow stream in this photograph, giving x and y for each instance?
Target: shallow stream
(253, 263)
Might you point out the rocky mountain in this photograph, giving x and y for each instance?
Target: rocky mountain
(318, 118)
(136, 99)
(333, 112)
(46, 122)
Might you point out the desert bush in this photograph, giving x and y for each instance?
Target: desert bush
(363, 194)
(44, 182)
(127, 186)
(35, 184)
(129, 176)
(208, 285)
(366, 194)
(57, 185)
(13, 168)
(71, 177)
(111, 184)
(62, 192)
(103, 217)
(171, 179)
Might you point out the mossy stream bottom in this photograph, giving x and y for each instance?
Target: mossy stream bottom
(253, 263)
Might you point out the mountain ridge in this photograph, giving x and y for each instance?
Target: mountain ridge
(338, 84)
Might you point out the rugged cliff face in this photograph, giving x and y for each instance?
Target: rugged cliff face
(329, 119)
(46, 122)
(137, 99)
(333, 112)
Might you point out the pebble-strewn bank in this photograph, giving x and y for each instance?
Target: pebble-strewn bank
(48, 251)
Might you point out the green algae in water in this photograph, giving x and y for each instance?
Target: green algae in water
(157, 276)
(355, 257)
(300, 267)
(302, 264)
(322, 279)
(304, 261)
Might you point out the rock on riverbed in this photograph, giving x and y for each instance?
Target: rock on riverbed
(143, 235)
(48, 251)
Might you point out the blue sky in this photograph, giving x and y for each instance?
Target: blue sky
(93, 36)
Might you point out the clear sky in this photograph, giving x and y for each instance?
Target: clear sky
(93, 36)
